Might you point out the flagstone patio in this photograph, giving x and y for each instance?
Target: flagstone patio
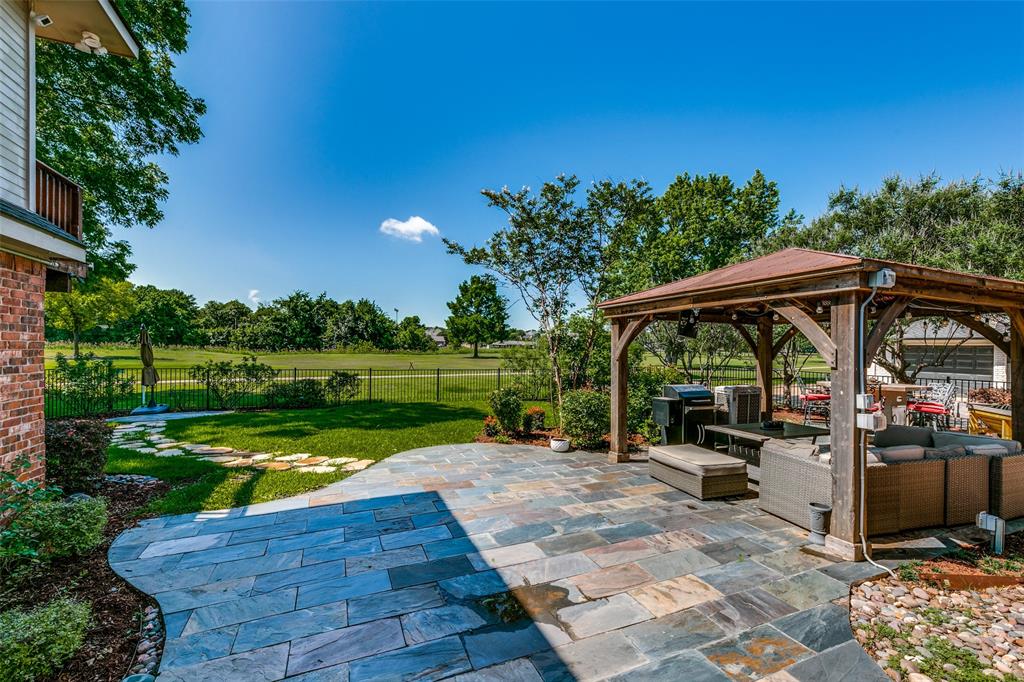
(390, 575)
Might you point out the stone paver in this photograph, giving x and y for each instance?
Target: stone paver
(397, 571)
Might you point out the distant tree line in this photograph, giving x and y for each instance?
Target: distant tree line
(105, 311)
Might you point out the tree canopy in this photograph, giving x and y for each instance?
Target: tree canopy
(478, 313)
(104, 121)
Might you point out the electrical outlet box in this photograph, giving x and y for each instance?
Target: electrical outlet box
(882, 279)
(872, 421)
(865, 401)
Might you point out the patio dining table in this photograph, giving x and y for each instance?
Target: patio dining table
(756, 435)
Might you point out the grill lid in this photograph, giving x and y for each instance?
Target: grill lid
(687, 391)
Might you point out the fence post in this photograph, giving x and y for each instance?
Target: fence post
(295, 374)
(206, 385)
(438, 384)
(370, 399)
(499, 377)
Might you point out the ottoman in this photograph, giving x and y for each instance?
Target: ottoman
(702, 473)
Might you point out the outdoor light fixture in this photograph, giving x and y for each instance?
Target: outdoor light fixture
(42, 20)
(90, 43)
(775, 317)
(1006, 338)
(873, 309)
(687, 326)
(735, 317)
(909, 315)
(820, 309)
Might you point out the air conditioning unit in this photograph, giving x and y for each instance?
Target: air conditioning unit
(741, 404)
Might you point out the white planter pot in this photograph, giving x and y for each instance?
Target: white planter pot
(560, 444)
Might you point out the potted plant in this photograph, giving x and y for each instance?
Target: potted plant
(559, 444)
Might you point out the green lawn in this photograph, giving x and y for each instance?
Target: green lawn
(367, 431)
(124, 356)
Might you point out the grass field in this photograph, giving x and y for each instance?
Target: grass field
(366, 431)
(186, 357)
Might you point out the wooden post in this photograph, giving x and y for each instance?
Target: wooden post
(619, 451)
(764, 364)
(844, 536)
(1016, 373)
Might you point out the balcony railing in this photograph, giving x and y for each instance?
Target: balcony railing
(59, 200)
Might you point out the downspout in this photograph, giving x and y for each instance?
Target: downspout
(862, 445)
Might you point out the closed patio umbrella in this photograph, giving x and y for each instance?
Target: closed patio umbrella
(149, 375)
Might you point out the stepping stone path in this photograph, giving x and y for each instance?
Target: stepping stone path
(147, 438)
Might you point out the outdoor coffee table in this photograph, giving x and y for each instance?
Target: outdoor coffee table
(756, 436)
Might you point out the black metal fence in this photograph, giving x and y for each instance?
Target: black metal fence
(179, 388)
(182, 391)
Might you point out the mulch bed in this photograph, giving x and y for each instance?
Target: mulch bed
(542, 438)
(110, 642)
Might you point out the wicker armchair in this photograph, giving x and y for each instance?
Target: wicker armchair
(1006, 486)
(967, 488)
(899, 496)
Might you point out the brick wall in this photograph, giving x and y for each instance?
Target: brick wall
(22, 283)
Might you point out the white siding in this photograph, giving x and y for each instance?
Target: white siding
(14, 98)
(1000, 366)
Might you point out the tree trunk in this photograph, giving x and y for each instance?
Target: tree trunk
(476, 349)
(74, 342)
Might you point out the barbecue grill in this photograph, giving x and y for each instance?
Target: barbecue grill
(682, 411)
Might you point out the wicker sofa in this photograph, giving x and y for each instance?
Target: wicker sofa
(943, 489)
(1001, 494)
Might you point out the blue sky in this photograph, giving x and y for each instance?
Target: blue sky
(327, 119)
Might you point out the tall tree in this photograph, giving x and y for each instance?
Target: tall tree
(968, 225)
(103, 121)
(360, 322)
(538, 253)
(81, 309)
(169, 315)
(478, 313)
(412, 335)
(706, 222)
(217, 322)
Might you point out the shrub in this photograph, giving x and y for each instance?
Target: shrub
(228, 384)
(490, 426)
(88, 386)
(35, 643)
(76, 453)
(586, 417)
(534, 419)
(17, 498)
(62, 528)
(301, 393)
(342, 386)
(508, 409)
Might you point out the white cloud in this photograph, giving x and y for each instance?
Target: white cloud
(254, 296)
(412, 229)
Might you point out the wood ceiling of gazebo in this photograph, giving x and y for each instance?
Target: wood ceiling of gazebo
(803, 273)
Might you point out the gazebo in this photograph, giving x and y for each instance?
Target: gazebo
(858, 299)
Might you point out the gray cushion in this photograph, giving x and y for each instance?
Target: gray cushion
(943, 438)
(945, 452)
(993, 450)
(901, 453)
(903, 435)
(697, 461)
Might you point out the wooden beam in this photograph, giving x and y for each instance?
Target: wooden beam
(783, 340)
(882, 327)
(746, 336)
(994, 336)
(815, 334)
(628, 333)
(1016, 367)
(844, 535)
(619, 450)
(763, 353)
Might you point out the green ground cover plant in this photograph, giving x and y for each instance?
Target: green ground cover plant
(36, 642)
